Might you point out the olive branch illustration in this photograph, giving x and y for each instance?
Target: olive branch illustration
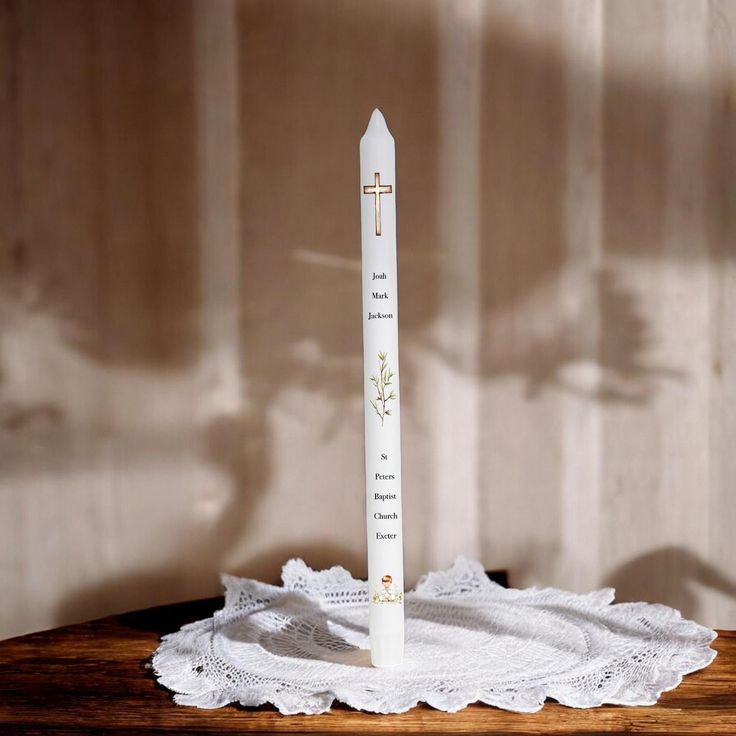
(381, 383)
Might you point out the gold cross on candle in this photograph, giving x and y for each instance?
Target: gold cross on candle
(377, 189)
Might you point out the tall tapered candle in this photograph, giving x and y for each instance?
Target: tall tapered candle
(382, 397)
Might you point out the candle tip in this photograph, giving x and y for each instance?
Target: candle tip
(377, 124)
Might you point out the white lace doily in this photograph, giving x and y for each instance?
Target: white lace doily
(304, 645)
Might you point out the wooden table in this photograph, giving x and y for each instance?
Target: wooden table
(94, 678)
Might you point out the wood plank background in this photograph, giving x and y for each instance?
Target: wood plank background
(180, 293)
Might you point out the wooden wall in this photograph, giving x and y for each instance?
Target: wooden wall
(180, 293)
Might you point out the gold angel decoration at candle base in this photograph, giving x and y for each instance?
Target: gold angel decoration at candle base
(388, 594)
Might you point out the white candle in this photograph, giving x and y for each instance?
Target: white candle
(381, 387)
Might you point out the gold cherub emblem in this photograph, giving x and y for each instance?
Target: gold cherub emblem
(388, 594)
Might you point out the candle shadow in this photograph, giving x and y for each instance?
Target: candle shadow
(194, 574)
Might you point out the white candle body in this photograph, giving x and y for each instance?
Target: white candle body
(382, 397)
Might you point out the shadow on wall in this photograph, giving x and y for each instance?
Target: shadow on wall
(668, 576)
(146, 588)
(101, 276)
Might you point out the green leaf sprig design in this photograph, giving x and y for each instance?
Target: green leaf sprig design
(381, 383)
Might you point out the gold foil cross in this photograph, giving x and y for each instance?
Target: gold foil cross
(377, 189)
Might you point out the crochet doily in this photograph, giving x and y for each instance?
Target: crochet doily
(304, 645)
